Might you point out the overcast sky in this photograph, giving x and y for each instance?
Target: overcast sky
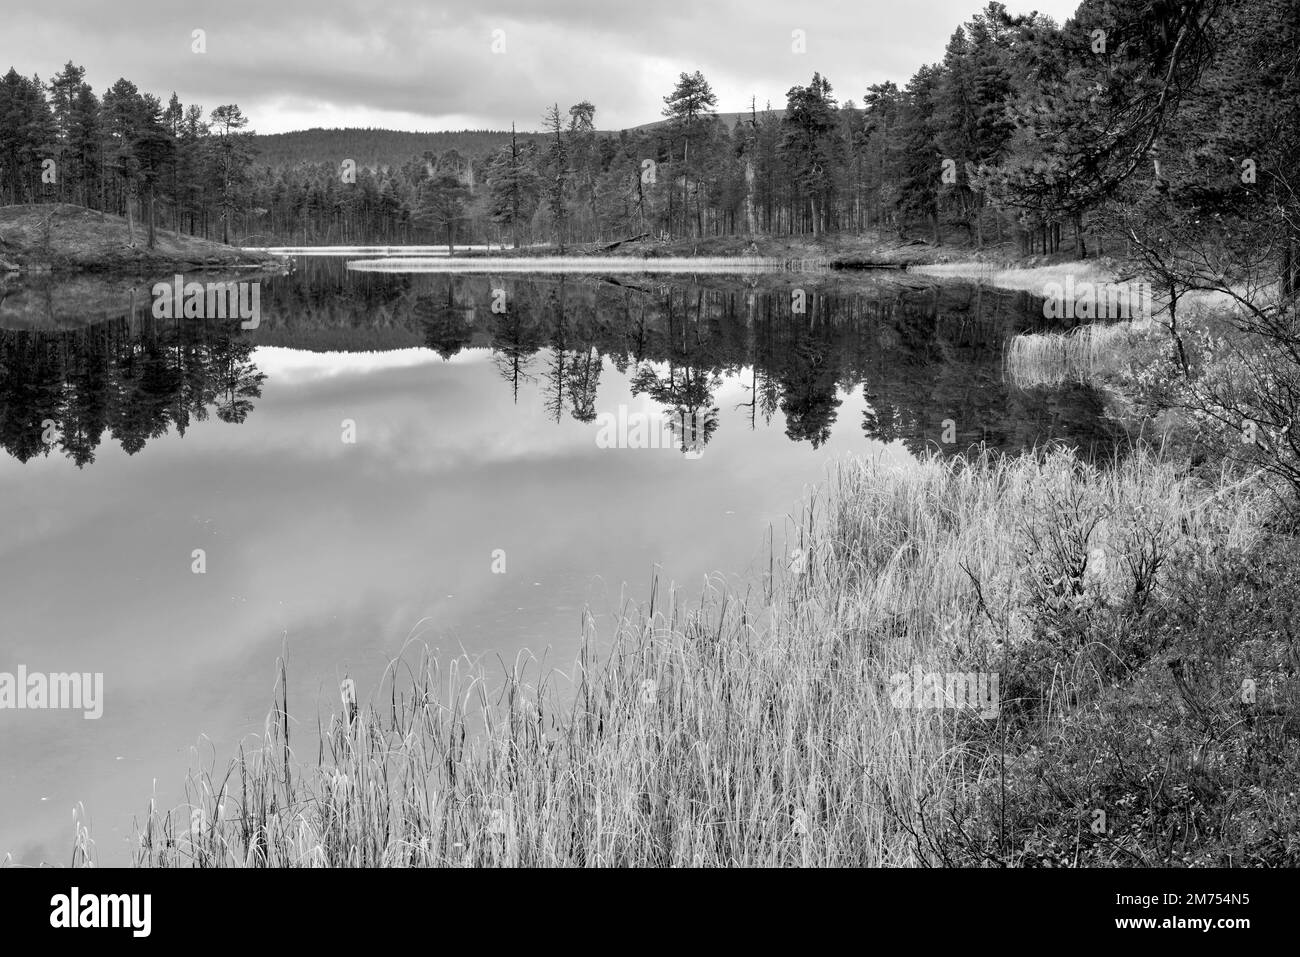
(421, 65)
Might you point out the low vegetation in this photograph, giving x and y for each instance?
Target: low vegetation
(1125, 607)
(1086, 354)
(61, 237)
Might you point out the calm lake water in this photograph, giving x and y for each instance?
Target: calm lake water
(353, 468)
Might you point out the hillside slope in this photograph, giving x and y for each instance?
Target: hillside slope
(378, 149)
(61, 237)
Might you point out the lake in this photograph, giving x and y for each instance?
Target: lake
(470, 461)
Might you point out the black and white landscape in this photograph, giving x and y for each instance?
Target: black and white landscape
(739, 435)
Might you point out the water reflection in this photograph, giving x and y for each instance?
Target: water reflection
(133, 381)
(341, 554)
(926, 356)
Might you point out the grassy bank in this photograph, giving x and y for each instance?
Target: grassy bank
(1121, 607)
(63, 238)
(1203, 378)
(1031, 276)
(867, 250)
(1092, 353)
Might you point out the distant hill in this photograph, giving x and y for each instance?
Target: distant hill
(374, 149)
(730, 119)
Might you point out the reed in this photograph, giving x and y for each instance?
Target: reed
(1084, 354)
(750, 729)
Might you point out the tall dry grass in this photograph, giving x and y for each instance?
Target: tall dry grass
(730, 730)
(1085, 354)
(1026, 279)
(1097, 351)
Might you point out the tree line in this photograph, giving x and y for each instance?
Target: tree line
(1026, 132)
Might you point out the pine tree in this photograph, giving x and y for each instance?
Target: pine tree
(691, 102)
(557, 173)
(232, 152)
(513, 187)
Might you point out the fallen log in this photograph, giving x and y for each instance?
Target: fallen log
(620, 242)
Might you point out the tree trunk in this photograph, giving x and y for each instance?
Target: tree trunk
(749, 197)
(686, 186)
(130, 223)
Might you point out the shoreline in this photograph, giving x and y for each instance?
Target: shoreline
(629, 763)
(65, 240)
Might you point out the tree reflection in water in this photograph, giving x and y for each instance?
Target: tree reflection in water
(924, 356)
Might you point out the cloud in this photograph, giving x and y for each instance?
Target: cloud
(406, 64)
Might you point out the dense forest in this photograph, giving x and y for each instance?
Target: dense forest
(1132, 118)
(369, 148)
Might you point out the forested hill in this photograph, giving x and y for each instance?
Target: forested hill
(729, 121)
(378, 149)
(373, 149)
